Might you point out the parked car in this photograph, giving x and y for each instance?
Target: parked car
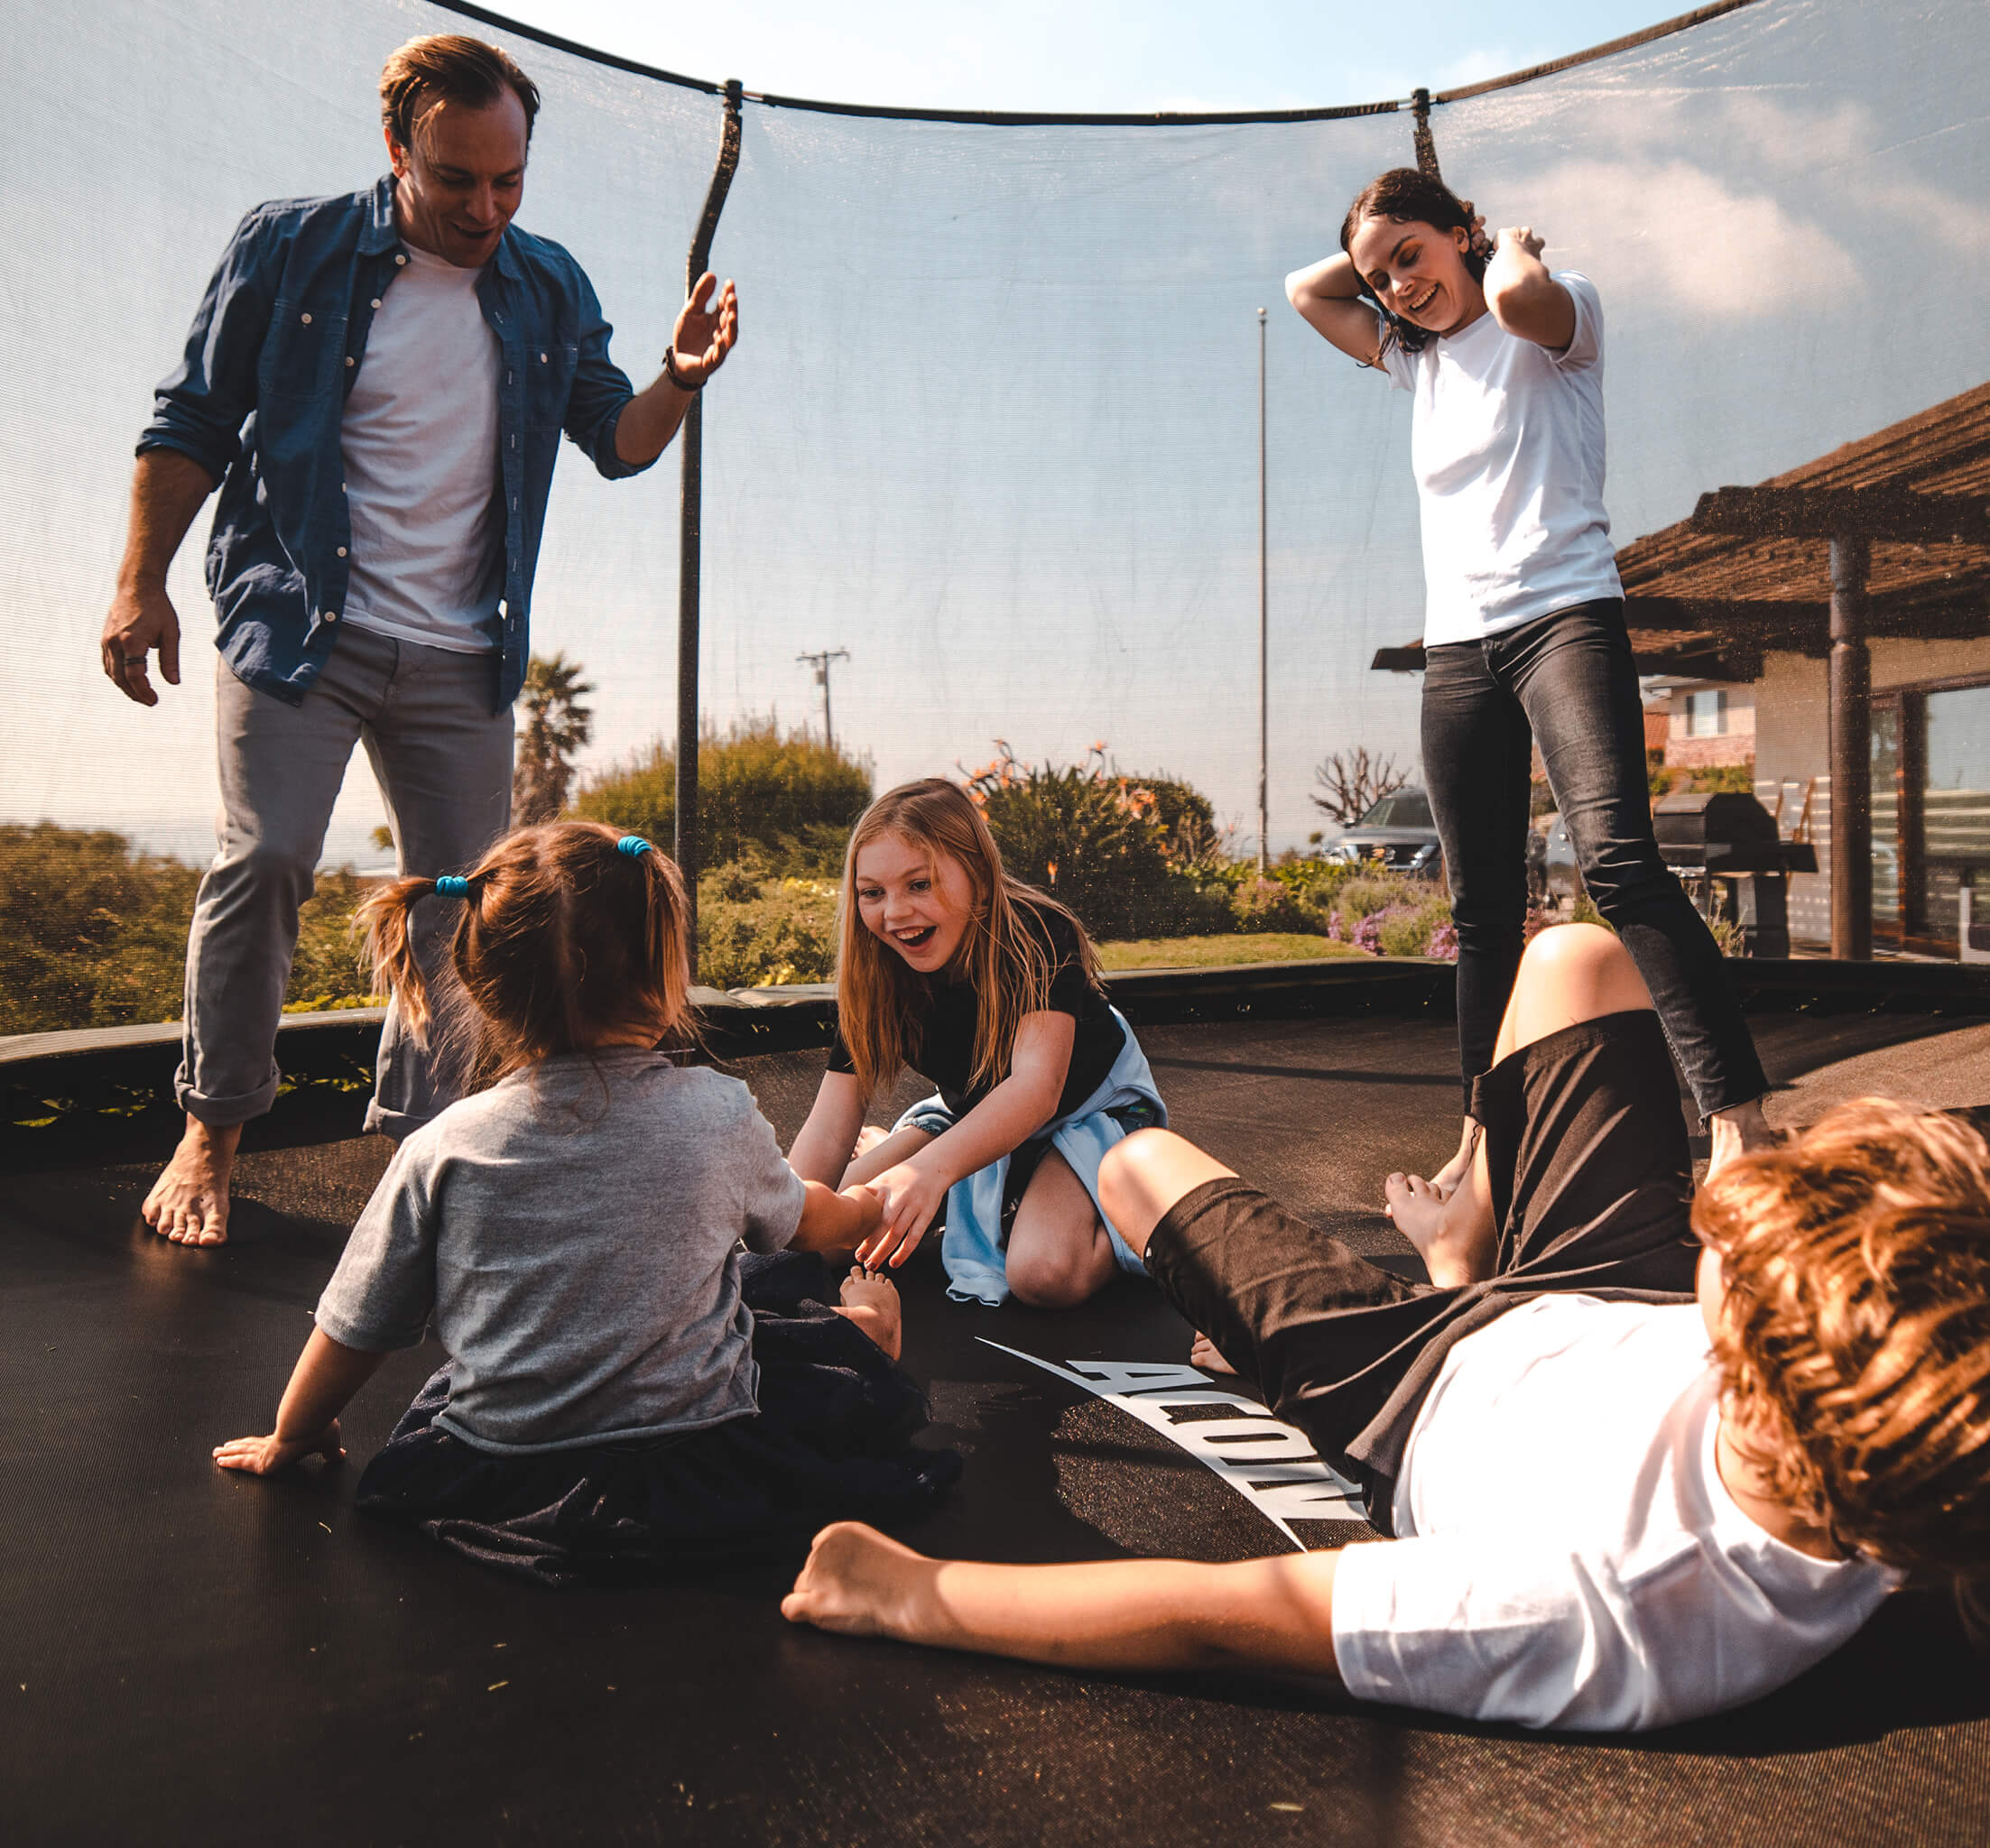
(1397, 832)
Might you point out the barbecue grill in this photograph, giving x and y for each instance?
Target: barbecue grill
(1735, 866)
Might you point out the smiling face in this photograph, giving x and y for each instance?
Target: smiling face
(918, 902)
(1418, 272)
(458, 185)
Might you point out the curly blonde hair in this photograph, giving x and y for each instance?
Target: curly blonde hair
(1855, 1333)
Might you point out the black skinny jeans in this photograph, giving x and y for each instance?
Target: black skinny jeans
(1568, 681)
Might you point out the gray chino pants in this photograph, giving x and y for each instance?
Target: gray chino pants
(444, 766)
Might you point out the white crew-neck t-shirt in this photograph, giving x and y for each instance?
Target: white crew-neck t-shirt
(1568, 1555)
(420, 441)
(1506, 443)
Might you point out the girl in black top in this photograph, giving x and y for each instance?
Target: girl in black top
(991, 989)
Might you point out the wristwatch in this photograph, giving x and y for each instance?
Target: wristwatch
(669, 371)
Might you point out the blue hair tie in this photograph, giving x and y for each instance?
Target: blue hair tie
(451, 887)
(633, 845)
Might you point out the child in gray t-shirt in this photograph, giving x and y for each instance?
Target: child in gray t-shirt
(627, 1387)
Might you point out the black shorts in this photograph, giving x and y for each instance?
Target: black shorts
(1591, 1180)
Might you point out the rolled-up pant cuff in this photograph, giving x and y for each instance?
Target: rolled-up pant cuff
(224, 1113)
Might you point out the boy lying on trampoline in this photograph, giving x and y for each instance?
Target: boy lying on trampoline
(1598, 1524)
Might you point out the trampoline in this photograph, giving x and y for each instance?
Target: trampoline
(192, 1655)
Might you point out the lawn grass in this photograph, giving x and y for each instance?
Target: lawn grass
(1209, 952)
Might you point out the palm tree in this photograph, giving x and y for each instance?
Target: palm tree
(556, 726)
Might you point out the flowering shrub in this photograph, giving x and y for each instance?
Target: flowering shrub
(753, 932)
(1100, 843)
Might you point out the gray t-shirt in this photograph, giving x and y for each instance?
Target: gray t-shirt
(574, 1231)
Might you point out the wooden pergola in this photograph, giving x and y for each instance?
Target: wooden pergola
(1887, 536)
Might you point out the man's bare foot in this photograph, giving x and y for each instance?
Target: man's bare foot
(872, 1303)
(1446, 1179)
(1204, 1354)
(858, 1583)
(1736, 1132)
(1453, 1255)
(189, 1202)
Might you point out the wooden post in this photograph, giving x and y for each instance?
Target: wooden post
(1851, 725)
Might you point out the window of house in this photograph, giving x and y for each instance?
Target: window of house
(1707, 713)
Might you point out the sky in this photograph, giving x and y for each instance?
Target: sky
(992, 426)
(1091, 57)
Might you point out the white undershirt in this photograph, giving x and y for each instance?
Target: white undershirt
(1568, 1555)
(1507, 446)
(420, 440)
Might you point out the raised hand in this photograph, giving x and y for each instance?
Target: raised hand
(705, 332)
(1521, 237)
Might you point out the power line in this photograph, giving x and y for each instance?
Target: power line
(820, 661)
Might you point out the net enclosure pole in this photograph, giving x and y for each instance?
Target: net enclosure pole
(1851, 749)
(1263, 609)
(690, 441)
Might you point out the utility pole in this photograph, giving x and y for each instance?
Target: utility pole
(820, 661)
(1263, 605)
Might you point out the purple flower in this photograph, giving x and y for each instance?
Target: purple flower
(1443, 943)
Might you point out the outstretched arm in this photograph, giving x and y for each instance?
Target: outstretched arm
(1275, 1614)
(1524, 299)
(703, 337)
(835, 1222)
(1015, 1110)
(327, 1375)
(1328, 296)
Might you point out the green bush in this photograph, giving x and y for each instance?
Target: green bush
(93, 934)
(756, 931)
(1407, 930)
(786, 793)
(1270, 904)
(1095, 839)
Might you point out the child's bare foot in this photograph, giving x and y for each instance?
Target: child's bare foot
(1446, 1179)
(872, 1303)
(867, 1139)
(189, 1202)
(1734, 1133)
(1453, 1255)
(858, 1583)
(1204, 1354)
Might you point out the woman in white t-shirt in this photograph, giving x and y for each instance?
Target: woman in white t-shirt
(1523, 630)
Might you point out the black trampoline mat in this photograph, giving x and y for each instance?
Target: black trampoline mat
(188, 1655)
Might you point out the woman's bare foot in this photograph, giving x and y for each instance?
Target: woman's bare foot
(1204, 1354)
(1736, 1132)
(872, 1303)
(1453, 1253)
(189, 1202)
(858, 1583)
(1446, 1179)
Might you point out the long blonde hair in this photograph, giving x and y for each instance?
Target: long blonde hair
(879, 996)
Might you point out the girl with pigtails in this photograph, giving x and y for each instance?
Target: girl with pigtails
(991, 989)
(627, 1389)
(1523, 634)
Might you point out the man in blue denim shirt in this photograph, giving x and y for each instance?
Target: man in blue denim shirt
(378, 383)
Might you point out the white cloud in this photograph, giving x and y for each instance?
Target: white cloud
(1675, 228)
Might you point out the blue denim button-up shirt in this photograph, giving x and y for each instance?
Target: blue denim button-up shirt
(260, 397)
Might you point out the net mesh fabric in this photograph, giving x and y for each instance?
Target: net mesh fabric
(993, 423)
